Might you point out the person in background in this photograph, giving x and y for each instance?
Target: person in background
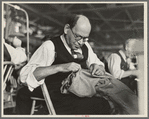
(53, 61)
(16, 52)
(13, 52)
(120, 66)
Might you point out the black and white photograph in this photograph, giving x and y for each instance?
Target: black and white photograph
(74, 59)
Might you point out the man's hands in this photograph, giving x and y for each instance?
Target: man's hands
(74, 67)
(97, 70)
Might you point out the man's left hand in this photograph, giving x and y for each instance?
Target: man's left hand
(97, 70)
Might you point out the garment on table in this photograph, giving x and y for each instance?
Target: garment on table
(83, 84)
(63, 104)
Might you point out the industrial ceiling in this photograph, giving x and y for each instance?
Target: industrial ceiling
(112, 23)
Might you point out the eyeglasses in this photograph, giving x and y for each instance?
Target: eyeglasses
(79, 38)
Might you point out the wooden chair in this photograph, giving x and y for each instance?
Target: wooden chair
(47, 99)
(8, 68)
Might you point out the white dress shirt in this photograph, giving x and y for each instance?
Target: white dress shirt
(45, 56)
(114, 64)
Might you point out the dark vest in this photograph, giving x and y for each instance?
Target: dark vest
(63, 56)
(124, 65)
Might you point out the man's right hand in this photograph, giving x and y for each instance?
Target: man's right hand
(74, 67)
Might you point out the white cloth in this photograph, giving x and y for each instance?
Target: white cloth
(45, 56)
(17, 55)
(114, 64)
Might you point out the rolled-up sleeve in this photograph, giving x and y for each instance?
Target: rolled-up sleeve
(44, 56)
(92, 57)
(114, 66)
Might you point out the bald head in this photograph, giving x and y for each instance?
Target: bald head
(83, 21)
(83, 25)
(80, 25)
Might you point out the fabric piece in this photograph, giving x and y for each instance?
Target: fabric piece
(83, 84)
(80, 84)
(120, 94)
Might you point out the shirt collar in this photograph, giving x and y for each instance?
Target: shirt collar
(64, 42)
(122, 54)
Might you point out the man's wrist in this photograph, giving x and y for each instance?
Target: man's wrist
(57, 68)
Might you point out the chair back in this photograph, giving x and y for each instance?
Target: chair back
(8, 68)
(48, 99)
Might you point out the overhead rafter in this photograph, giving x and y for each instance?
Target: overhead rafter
(98, 9)
(139, 28)
(128, 14)
(41, 14)
(68, 7)
(93, 18)
(56, 7)
(98, 14)
(36, 19)
(59, 8)
(111, 18)
(117, 20)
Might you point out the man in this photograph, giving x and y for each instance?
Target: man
(119, 65)
(53, 62)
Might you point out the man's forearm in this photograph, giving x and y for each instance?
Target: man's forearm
(129, 73)
(42, 72)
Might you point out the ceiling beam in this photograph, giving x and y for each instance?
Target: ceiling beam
(139, 28)
(98, 19)
(129, 16)
(57, 7)
(36, 19)
(41, 14)
(117, 20)
(98, 9)
(111, 18)
(68, 7)
(98, 14)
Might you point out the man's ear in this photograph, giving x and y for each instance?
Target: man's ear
(126, 47)
(66, 28)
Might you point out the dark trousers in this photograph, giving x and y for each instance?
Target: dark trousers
(131, 83)
(63, 103)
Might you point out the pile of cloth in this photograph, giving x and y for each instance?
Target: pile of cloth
(83, 84)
